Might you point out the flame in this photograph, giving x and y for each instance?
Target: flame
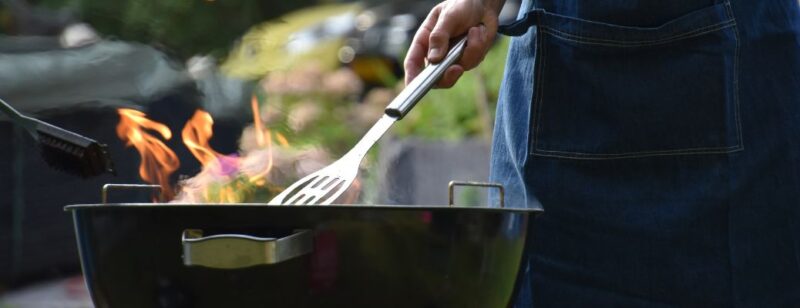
(263, 139)
(158, 161)
(224, 178)
(196, 133)
(282, 139)
(257, 121)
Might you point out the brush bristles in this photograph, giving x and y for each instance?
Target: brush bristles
(85, 157)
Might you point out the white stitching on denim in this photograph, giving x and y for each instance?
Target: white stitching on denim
(626, 28)
(728, 148)
(603, 42)
(737, 112)
(539, 98)
(674, 153)
(538, 102)
(673, 36)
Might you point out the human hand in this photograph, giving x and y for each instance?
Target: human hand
(449, 19)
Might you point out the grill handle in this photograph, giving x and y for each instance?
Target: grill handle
(112, 187)
(417, 88)
(451, 187)
(233, 251)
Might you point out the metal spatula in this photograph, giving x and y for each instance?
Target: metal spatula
(324, 186)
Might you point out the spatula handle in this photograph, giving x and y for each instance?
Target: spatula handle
(417, 88)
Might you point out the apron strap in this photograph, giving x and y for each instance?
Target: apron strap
(520, 26)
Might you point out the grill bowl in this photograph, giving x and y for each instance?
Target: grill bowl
(134, 255)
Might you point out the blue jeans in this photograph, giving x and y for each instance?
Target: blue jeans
(662, 140)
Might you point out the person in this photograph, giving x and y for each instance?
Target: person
(661, 138)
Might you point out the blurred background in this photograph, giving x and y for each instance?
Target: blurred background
(303, 79)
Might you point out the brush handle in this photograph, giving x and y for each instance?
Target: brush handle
(9, 111)
(28, 123)
(63, 149)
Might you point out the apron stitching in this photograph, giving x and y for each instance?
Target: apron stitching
(566, 154)
(616, 43)
(733, 147)
(595, 158)
(737, 111)
(573, 155)
(539, 89)
(598, 156)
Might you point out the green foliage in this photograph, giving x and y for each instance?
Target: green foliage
(186, 27)
(263, 48)
(330, 130)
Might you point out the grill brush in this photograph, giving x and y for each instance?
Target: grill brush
(62, 149)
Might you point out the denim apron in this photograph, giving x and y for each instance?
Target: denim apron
(662, 140)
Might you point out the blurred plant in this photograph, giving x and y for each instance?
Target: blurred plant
(325, 107)
(314, 106)
(185, 27)
(311, 34)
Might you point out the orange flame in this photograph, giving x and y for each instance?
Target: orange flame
(158, 161)
(257, 121)
(195, 136)
(263, 138)
(222, 175)
(282, 139)
(224, 178)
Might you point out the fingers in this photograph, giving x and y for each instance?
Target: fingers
(417, 52)
(447, 20)
(415, 58)
(479, 41)
(490, 21)
(439, 40)
(475, 49)
(450, 76)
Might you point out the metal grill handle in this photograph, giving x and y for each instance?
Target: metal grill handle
(452, 185)
(233, 251)
(111, 187)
